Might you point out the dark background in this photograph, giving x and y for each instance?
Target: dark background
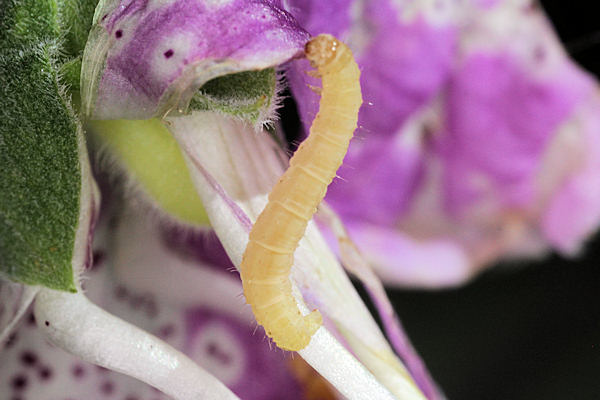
(526, 332)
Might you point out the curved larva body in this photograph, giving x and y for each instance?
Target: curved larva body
(293, 201)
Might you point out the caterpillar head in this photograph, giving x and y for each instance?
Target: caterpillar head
(326, 53)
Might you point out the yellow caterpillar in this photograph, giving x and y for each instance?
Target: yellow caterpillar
(269, 256)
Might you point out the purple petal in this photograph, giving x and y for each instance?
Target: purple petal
(400, 259)
(403, 61)
(574, 212)
(144, 59)
(315, 15)
(378, 178)
(500, 117)
(403, 66)
(239, 355)
(476, 155)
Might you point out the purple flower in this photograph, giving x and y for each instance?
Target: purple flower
(157, 307)
(477, 143)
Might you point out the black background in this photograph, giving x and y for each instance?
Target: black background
(527, 331)
(520, 332)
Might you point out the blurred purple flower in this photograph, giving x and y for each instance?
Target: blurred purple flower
(478, 141)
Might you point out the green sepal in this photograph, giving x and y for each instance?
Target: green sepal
(248, 95)
(40, 172)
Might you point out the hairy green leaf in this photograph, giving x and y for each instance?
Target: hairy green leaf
(40, 175)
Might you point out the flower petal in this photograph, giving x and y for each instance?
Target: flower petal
(198, 306)
(402, 260)
(573, 213)
(32, 368)
(73, 323)
(355, 263)
(485, 167)
(144, 59)
(398, 77)
(246, 165)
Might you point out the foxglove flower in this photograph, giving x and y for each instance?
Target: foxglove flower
(148, 59)
(478, 139)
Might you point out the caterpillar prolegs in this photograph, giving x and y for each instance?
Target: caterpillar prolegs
(269, 256)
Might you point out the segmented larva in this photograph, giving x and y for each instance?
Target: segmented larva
(269, 256)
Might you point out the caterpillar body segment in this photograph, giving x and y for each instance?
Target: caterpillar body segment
(269, 256)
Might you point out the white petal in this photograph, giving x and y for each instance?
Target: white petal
(73, 323)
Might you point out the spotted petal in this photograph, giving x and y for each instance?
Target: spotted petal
(147, 58)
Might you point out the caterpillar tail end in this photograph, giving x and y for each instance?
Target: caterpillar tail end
(298, 341)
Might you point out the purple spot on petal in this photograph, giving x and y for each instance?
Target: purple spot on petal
(214, 350)
(166, 330)
(47, 323)
(31, 319)
(169, 53)
(19, 382)
(28, 358)
(120, 293)
(107, 388)
(78, 371)
(119, 34)
(97, 258)
(45, 373)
